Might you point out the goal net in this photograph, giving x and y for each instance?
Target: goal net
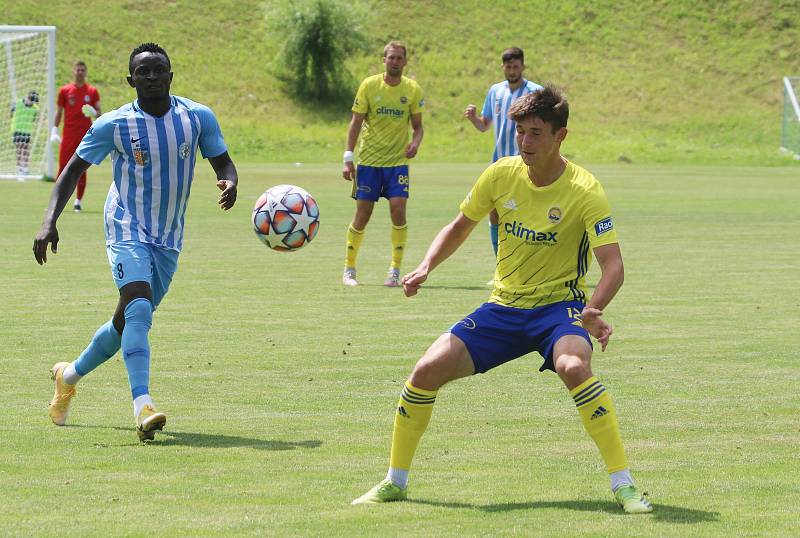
(27, 101)
(790, 125)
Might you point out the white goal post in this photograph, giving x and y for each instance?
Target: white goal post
(790, 123)
(27, 101)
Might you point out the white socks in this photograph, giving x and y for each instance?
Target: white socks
(139, 403)
(621, 478)
(70, 376)
(399, 477)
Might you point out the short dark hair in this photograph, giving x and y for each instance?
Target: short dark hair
(147, 47)
(79, 62)
(549, 104)
(513, 53)
(395, 45)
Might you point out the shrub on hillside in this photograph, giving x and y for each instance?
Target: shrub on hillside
(318, 36)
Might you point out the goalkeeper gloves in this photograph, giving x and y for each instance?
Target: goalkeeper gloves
(89, 111)
(55, 138)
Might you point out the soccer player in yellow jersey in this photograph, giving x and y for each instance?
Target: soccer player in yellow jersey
(553, 215)
(384, 105)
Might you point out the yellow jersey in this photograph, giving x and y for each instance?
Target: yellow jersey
(545, 233)
(387, 111)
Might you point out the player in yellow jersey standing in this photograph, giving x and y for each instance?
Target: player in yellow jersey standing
(553, 215)
(385, 105)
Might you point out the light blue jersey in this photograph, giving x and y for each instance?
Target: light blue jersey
(153, 161)
(495, 107)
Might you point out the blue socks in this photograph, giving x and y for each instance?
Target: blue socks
(135, 345)
(104, 345)
(493, 231)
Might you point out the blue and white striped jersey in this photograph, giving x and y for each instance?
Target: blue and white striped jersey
(153, 161)
(495, 107)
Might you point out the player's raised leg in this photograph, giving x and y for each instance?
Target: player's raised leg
(447, 359)
(572, 356)
(397, 210)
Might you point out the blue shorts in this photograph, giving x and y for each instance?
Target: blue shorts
(132, 261)
(495, 334)
(372, 182)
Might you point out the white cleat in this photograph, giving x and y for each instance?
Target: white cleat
(349, 277)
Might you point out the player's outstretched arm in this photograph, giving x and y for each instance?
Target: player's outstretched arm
(353, 130)
(444, 244)
(62, 190)
(609, 258)
(227, 179)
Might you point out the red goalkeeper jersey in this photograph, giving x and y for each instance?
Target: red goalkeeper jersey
(71, 98)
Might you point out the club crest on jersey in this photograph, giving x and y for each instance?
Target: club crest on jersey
(403, 100)
(183, 150)
(85, 98)
(603, 226)
(554, 214)
(141, 155)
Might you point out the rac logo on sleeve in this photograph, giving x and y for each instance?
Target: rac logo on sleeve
(603, 226)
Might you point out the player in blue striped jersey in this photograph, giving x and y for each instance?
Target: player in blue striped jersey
(153, 143)
(495, 112)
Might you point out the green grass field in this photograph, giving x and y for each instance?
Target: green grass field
(280, 385)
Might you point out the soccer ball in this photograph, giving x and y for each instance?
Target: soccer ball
(286, 218)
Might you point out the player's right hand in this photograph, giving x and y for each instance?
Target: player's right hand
(595, 325)
(47, 234)
(349, 171)
(413, 281)
(55, 138)
(470, 111)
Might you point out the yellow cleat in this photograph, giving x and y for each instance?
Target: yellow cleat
(148, 422)
(632, 500)
(384, 492)
(59, 405)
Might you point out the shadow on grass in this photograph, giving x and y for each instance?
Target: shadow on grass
(209, 440)
(662, 512)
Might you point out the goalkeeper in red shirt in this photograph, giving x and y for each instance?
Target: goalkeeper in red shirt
(79, 103)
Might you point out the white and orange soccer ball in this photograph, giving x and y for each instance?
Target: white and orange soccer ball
(286, 218)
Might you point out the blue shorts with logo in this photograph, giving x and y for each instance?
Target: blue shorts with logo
(495, 334)
(133, 261)
(373, 182)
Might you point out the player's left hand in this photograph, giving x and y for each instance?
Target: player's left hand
(411, 150)
(413, 281)
(228, 196)
(593, 322)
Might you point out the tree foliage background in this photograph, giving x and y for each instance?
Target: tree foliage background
(318, 36)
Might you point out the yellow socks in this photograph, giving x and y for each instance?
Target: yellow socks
(399, 235)
(410, 421)
(600, 420)
(354, 238)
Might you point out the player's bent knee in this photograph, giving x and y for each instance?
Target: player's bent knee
(140, 311)
(573, 368)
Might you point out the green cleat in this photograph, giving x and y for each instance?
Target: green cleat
(632, 500)
(384, 492)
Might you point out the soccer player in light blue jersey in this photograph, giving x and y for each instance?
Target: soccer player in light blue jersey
(495, 112)
(153, 143)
